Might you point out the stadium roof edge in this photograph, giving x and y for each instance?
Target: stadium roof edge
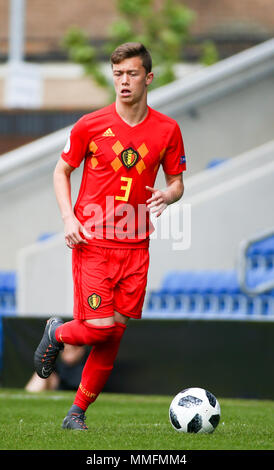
(209, 82)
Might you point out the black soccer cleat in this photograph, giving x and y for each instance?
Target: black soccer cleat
(75, 421)
(48, 349)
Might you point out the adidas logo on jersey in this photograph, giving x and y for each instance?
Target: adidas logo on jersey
(108, 133)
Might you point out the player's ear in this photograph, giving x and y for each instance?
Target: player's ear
(149, 78)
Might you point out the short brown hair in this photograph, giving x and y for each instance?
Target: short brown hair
(132, 49)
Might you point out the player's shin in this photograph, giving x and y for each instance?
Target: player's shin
(98, 367)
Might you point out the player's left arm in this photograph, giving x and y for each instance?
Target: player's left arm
(161, 198)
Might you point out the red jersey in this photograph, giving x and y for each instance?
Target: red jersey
(119, 162)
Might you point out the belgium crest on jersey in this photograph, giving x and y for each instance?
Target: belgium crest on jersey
(94, 301)
(129, 157)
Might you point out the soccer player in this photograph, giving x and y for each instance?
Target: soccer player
(122, 146)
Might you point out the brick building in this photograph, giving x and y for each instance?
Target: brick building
(233, 24)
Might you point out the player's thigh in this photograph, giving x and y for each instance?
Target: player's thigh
(118, 317)
(129, 294)
(93, 291)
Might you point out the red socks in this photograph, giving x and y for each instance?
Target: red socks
(80, 332)
(98, 367)
(105, 341)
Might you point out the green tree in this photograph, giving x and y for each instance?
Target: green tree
(81, 52)
(163, 28)
(209, 53)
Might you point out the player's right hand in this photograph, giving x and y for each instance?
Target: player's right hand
(73, 229)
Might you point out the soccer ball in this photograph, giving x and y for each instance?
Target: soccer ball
(194, 410)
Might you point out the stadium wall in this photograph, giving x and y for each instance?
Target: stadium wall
(231, 359)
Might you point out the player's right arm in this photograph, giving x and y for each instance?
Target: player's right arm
(62, 187)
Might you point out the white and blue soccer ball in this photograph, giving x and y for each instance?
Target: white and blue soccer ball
(194, 410)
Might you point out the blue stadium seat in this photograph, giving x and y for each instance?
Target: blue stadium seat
(1, 344)
(262, 247)
(45, 236)
(215, 162)
(7, 292)
(197, 291)
(261, 254)
(174, 281)
(184, 286)
(255, 277)
(7, 301)
(267, 304)
(211, 292)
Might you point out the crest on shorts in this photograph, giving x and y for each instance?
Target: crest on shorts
(129, 157)
(94, 301)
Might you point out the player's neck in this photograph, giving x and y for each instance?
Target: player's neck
(132, 114)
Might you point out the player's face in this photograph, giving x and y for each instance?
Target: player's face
(131, 80)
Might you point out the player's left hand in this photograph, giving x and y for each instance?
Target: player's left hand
(158, 202)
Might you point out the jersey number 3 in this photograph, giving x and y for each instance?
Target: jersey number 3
(125, 188)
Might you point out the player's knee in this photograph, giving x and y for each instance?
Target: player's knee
(96, 334)
(110, 333)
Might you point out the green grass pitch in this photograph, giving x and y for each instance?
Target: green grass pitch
(127, 422)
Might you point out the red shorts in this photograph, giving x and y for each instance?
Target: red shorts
(108, 280)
